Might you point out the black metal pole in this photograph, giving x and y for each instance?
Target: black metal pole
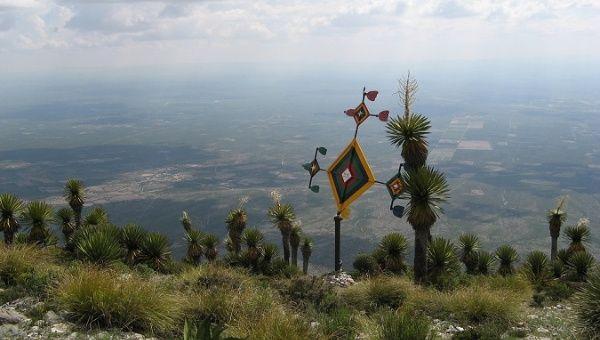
(338, 262)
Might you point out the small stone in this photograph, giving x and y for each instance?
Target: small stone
(52, 317)
(542, 330)
(60, 328)
(9, 315)
(314, 324)
(532, 316)
(40, 323)
(460, 329)
(10, 331)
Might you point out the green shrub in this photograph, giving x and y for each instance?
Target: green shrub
(485, 331)
(96, 297)
(404, 326)
(339, 324)
(155, 251)
(311, 291)
(558, 268)
(442, 263)
(365, 264)
(507, 256)
(558, 291)
(587, 306)
(536, 267)
(26, 269)
(469, 247)
(579, 265)
(99, 244)
(376, 293)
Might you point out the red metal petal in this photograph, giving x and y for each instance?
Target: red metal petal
(371, 95)
(350, 112)
(383, 115)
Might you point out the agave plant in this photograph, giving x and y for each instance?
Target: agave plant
(536, 267)
(426, 189)
(195, 249)
(306, 248)
(38, 215)
(156, 251)
(469, 246)
(210, 243)
(507, 256)
(579, 265)
(132, 237)
(10, 210)
(282, 216)
(74, 194)
(253, 238)
(236, 223)
(99, 245)
(65, 217)
(96, 216)
(485, 262)
(410, 134)
(392, 251)
(556, 217)
(578, 236)
(442, 259)
(295, 238)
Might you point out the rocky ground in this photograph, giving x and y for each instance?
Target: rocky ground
(28, 318)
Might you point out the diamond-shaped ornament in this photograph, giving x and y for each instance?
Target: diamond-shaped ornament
(350, 175)
(361, 113)
(395, 186)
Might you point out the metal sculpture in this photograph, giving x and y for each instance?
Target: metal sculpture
(350, 175)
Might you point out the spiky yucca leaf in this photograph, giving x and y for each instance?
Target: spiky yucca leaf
(579, 236)
(556, 217)
(536, 267)
(469, 245)
(96, 216)
(426, 188)
(74, 194)
(563, 256)
(441, 258)
(410, 134)
(132, 237)
(38, 215)
(236, 223)
(195, 249)
(392, 251)
(156, 251)
(99, 245)
(186, 221)
(579, 265)
(252, 237)
(507, 256)
(558, 268)
(65, 218)
(485, 262)
(210, 243)
(587, 306)
(11, 208)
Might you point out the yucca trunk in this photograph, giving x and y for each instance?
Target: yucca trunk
(305, 260)
(211, 254)
(285, 239)
(422, 238)
(554, 248)
(554, 234)
(295, 255)
(77, 217)
(9, 237)
(236, 241)
(38, 234)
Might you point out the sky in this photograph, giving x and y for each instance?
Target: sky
(115, 33)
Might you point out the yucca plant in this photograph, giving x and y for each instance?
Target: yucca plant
(392, 250)
(507, 256)
(579, 265)
(578, 235)
(74, 194)
(21, 238)
(295, 238)
(38, 216)
(306, 249)
(282, 216)
(536, 267)
(195, 248)
(410, 134)
(485, 262)
(469, 246)
(556, 217)
(210, 243)
(442, 261)
(65, 217)
(11, 208)
(426, 189)
(236, 223)
(558, 268)
(587, 306)
(96, 216)
(252, 238)
(156, 251)
(99, 245)
(186, 222)
(132, 237)
(563, 256)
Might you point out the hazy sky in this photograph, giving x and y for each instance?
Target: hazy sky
(55, 33)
